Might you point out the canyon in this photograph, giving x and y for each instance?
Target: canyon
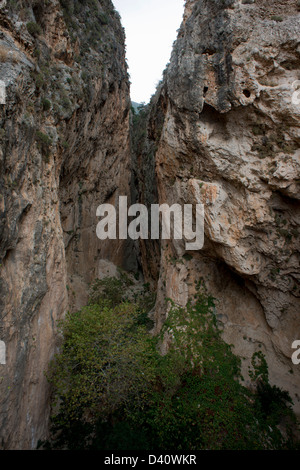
(222, 130)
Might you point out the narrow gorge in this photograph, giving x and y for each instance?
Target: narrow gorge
(222, 130)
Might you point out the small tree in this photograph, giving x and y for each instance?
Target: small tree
(34, 29)
(105, 364)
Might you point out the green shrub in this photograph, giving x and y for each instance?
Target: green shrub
(276, 18)
(65, 145)
(39, 80)
(116, 392)
(85, 76)
(34, 29)
(65, 102)
(46, 104)
(111, 289)
(44, 143)
(105, 364)
(103, 18)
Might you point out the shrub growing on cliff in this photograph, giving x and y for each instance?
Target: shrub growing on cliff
(205, 405)
(104, 361)
(34, 29)
(276, 18)
(116, 392)
(46, 104)
(44, 143)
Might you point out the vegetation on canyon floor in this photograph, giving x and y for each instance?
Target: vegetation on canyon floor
(115, 390)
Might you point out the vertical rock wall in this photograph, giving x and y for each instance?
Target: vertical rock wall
(64, 135)
(229, 139)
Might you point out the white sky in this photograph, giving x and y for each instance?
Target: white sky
(151, 28)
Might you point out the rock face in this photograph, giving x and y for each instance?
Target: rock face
(226, 130)
(64, 133)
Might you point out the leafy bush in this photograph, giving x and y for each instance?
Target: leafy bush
(65, 145)
(46, 104)
(104, 359)
(105, 365)
(204, 404)
(271, 404)
(111, 289)
(44, 143)
(114, 391)
(122, 289)
(39, 79)
(277, 18)
(103, 18)
(34, 29)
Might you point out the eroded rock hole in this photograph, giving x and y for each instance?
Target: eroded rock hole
(247, 93)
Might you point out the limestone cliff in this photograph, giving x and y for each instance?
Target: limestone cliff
(64, 133)
(226, 131)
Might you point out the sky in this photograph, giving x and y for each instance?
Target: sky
(151, 28)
